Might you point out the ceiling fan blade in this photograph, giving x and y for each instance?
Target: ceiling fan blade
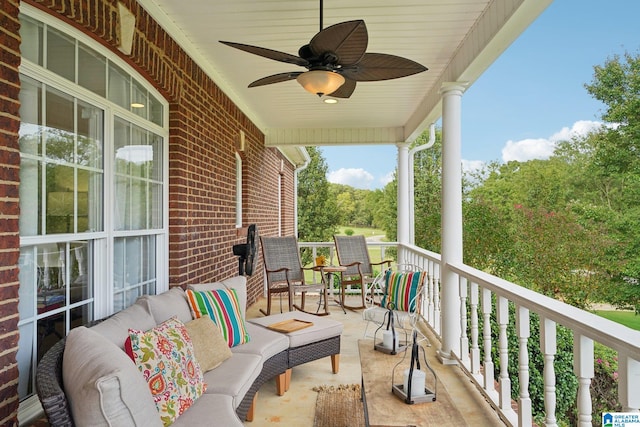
(348, 40)
(269, 53)
(380, 66)
(276, 78)
(345, 90)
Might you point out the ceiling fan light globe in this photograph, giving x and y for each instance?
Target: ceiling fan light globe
(320, 82)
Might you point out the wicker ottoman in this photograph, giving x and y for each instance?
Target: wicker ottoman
(319, 340)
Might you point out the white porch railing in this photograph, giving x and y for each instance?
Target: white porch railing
(480, 294)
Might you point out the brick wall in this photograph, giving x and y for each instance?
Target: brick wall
(9, 209)
(203, 126)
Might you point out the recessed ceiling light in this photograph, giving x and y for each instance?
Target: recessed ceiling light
(330, 101)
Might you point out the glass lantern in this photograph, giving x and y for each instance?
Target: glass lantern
(386, 338)
(414, 387)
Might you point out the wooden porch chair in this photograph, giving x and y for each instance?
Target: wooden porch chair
(402, 288)
(284, 274)
(353, 253)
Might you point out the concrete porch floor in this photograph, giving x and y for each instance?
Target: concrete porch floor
(297, 406)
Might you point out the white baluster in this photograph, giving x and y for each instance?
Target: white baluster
(523, 332)
(464, 339)
(475, 348)
(549, 348)
(486, 336)
(583, 368)
(431, 280)
(628, 383)
(436, 300)
(502, 316)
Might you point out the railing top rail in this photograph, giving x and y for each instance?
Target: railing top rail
(599, 329)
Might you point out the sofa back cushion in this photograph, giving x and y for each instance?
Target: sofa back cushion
(103, 386)
(166, 305)
(116, 327)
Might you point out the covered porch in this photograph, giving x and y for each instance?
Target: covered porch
(480, 390)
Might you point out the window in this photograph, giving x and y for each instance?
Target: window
(93, 190)
(238, 190)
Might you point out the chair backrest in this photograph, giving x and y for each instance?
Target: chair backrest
(281, 252)
(352, 249)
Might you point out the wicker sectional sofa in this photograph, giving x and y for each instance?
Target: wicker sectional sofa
(88, 378)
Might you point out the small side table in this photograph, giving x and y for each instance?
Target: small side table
(327, 272)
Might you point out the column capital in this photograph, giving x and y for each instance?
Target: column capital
(403, 145)
(459, 87)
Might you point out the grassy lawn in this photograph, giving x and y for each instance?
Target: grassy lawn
(367, 232)
(627, 318)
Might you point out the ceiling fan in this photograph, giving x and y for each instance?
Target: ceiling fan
(336, 59)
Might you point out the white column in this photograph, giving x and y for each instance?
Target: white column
(451, 218)
(403, 196)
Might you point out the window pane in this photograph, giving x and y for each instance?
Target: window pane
(26, 360)
(59, 142)
(156, 111)
(51, 329)
(80, 280)
(156, 206)
(139, 101)
(59, 198)
(51, 277)
(93, 70)
(122, 209)
(156, 142)
(140, 153)
(81, 316)
(119, 87)
(30, 197)
(139, 202)
(31, 34)
(90, 130)
(27, 277)
(30, 116)
(61, 54)
(90, 201)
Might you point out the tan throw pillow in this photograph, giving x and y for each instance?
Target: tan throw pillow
(209, 345)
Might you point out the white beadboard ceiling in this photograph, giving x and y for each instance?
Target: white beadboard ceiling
(456, 39)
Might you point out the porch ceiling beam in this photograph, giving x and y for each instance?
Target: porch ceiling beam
(333, 136)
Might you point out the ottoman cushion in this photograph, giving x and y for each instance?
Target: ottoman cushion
(322, 327)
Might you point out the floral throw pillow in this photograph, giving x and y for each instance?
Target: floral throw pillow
(165, 357)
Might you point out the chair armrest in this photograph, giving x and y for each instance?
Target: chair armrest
(285, 269)
(386, 261)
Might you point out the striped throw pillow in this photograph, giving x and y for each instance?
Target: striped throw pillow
(401, 289)
(222, 307)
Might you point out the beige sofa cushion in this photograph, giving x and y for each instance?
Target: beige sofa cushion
(166, 305)
(234, 376)
(103, 385)
(209, 345)
(116, 327)
(322, 327)
(208, 411)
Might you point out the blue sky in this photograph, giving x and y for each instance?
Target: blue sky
(536, 91)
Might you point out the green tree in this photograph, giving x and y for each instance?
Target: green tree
(317, 211)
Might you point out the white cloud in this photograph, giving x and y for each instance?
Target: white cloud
(470, 166)
(385, 179)
(543, 148)
(357, 178)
